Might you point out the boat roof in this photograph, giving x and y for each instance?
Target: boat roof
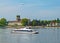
(23, 29)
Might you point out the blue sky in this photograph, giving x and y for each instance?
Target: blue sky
(32, 9)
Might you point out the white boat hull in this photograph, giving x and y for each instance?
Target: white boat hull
(24, 31)
(18, 32)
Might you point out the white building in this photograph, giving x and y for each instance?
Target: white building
(53, 24)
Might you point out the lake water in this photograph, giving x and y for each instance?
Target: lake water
(46, 35)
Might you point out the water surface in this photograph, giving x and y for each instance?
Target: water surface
(46, 35)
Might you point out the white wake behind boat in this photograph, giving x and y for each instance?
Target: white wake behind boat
(25, 30)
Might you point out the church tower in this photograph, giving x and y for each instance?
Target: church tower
(18, 17)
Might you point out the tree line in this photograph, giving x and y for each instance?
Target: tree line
(34, 22)
(28, 22)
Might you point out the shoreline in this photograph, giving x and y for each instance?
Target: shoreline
(31, 26)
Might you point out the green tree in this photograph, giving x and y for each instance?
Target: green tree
(24, 21)
(58, 21)
(42, 22)
(34, 23)
(45, 22)
(3, 22)
(48, 22)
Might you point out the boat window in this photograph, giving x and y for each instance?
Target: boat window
(30, 31)
(25, 30)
